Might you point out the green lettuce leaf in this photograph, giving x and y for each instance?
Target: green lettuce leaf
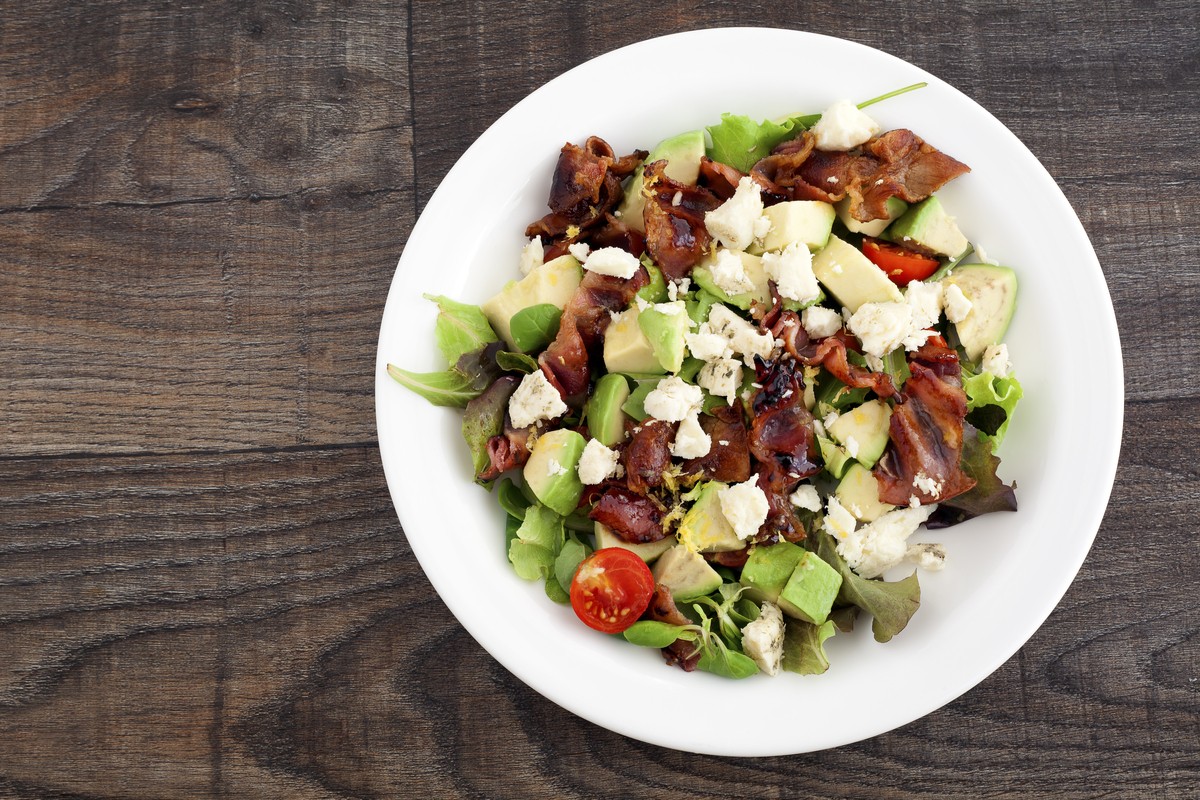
(534, 327)
(804, 647)
(542, 527)
(535, 548)
(446, 388)
(989, 493)
(460, 328)
(512, 499)
(530, 561)
(990, 404)
(741, 142)
(891, 604)
(516, 362)
(483, 419)
(568, 560)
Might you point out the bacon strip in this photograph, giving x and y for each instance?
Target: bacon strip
(728, 460)
(926, 440)
(507, 450)
(831, 354)
(720, 179)
(675, 234)
(648, 455)
(781, 432)
(586, 185)
(632, 517)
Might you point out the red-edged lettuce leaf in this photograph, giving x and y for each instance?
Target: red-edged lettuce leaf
(989, 493)
(483, 419)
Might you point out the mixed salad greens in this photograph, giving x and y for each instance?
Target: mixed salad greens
(739, 372)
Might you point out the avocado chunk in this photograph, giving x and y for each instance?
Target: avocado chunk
(895, 207)
(867, 427)
(635, 406)
(704, 527)
(626, 348)
(858, 492)
(646, 552)
(768, 569)
(810, 592)
(835, 457)
(682, 153)
(927, 224)
(685, 573)
(606, 420)
(993, 295)
(665, 333)
(807, 222)
(656, 290)
(851, 277)
(755, 272)
(552, 283)
(550, 471)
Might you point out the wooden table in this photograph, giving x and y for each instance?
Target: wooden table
(204, 591)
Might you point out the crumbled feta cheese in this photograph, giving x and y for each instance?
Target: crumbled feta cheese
(722, 377)
(874, 363)
(733, 223)
(706, 345)
(926, 302)
(723, 442)
(729, 273)
(745, 507)
(819, 427)
(843, 126)
(875, 548)
(762, 639)
(673, 399)
(852, 448)
(762, 226)
(830, 418)
(580, 250)
(928, 556)
(612, 261)
(532, 255)
(793, 273)
(555, 468)
(927, 485)
(820, 322)
(690, 440)
(831, 179)
(677, 199)
(677, 289)
(995, 360)
(670, 309)
(839, 522)
(642, 303)
(598, 463)
(957, 304)
(534, 400)
(806, 497)
(882, 327)
(743, 337)
(983, 257)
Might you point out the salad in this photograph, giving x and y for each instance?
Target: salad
(738, 373)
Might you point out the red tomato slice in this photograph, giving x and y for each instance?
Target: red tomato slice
(902, 266)
(612, 588)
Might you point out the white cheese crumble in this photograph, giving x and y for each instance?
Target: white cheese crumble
(677, 289)
(735, 223)
(927, 485)
(532, 255)
(534, 400)
(995, 360)
(843, 126)
(555, 468)
(926, 302)
(612, 261)
(743, 337)
(642, 303)
(793, 273)
(839, 522)
(929, 556)
(677, 199)
(670, 309)
(673, 399)
(882, 327)
(806, 497)
(745, 507)
(820, 322)
(851, 446)
(580, 250)
(708, 346)
(762, 639)
(722, 378)
(690, 440)
(875, 548)
(957, 304)
(598, 463)
(729, 273)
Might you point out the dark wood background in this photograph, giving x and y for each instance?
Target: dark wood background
(204, 591)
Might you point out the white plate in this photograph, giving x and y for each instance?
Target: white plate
(1006, 572)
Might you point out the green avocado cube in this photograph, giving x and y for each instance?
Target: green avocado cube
(810, 592)
(768, 569)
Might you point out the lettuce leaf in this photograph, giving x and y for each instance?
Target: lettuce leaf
(804, 647)
(484, 418)
(470, 376)
(460, 328)
(989, 493)
(535, 549)
(990, 404)
(891, 604)
(741, 142)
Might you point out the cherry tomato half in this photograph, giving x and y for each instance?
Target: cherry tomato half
(902, 266)
(612, 588)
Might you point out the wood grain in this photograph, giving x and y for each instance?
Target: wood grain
(204, 591)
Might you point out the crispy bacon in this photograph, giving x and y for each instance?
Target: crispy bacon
(632, 517)
(781, 431)
(788, 330)
(831, 354)
(662, 608)
(720, 179)
(565, 361)
(779, 173)
(648, 455)
(781, 522)
(925, 441)
(734, 559)
(940, 358)
(506, 451)
(728, 459)
(675, 234)
(586, 185)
